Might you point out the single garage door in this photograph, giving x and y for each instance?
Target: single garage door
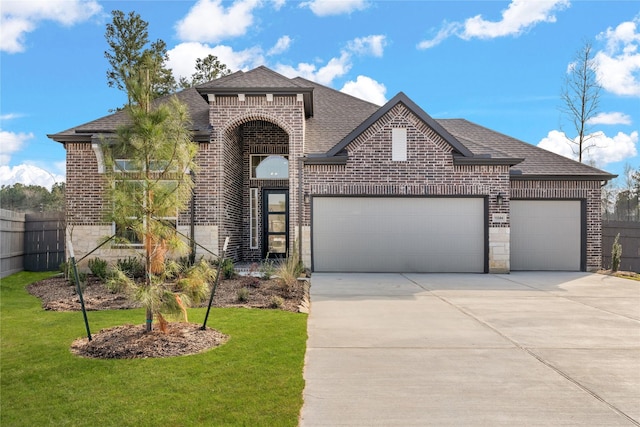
(546, 235)
(398, 234)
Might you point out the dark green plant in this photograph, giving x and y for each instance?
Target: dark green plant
(616, 253)
(99, 268)
(227, 269)
(132, 267)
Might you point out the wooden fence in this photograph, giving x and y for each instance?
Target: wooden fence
(629, 239)
(44, 239)
(32, 242)
(11, 242)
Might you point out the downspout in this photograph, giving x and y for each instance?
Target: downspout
(300, 204)
(192, 257)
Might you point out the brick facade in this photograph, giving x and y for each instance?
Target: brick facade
(258, 124)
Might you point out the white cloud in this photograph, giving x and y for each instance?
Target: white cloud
(614, 118)
(618, 66)
(10, 142)
(10, 116)
(337, 66)
(366, 88)
(21, 17)
(277, 4)
(334, 7)
(520, 16)
(281, 46)
(182, 58)
(371, 45)
(29, 175)
(605, 149)
(209, 21)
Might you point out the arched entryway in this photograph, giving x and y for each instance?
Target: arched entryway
(255, 185)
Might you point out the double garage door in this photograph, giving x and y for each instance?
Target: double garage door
(398, 234)
(415, 234)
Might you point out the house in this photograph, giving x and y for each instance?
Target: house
(288, 164)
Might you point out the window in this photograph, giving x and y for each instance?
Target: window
(399, 144)
(269, 167)
(128, 165)
(253, 227)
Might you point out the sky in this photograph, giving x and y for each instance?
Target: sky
(500, 64)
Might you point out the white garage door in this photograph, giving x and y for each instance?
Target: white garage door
(546, 235)
(398, 234)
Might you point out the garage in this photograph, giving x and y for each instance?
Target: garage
(546, 235)
(399, 234)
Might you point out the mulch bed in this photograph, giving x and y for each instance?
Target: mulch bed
(132, 341)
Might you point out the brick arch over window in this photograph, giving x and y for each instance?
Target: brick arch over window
(239, 120)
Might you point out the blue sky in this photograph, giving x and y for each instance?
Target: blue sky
(500, 64)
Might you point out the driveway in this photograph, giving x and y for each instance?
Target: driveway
(526, 348)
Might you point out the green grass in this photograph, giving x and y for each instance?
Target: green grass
(255, 379)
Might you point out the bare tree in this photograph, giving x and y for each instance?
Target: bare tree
(581, 98)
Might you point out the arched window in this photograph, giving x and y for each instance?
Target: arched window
(269, 167)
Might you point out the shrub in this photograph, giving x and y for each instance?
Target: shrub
(98, 268)
(132, 267)
(267, 268)
(276, 302)
(242, 295)
(227, 270)
(288, 270)
(616, 253)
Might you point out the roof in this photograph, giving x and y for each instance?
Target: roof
(261, 81)
(198, 109)
(334, 119)
(537, 163)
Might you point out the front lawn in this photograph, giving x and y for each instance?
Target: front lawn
(255, 379)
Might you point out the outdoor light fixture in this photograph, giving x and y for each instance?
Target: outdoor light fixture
(307, 198)
(500, 199)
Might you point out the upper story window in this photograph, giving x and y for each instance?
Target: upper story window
(269, 167)
(399, 144)
(128, 165)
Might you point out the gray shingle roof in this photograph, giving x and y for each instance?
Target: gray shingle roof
(261, 77)
(198, 108)
(336, 115)
(537, 162)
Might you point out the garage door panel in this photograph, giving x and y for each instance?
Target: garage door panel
(382, 234)
(546, 235)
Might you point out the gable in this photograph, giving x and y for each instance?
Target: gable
(399, 134)
(419, 119)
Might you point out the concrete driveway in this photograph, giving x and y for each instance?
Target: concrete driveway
(526, 348)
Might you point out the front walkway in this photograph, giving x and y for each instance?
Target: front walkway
(467, 349)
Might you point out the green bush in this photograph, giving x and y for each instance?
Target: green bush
(132, 267)
(616, 254)
(242, 295)
(267, 268)
(276, 302)
(98, 268)
(227, 270)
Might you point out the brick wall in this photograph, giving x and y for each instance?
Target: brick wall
(247, 127)
(428, 171)
(84, 186)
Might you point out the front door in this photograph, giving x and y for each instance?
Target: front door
(275, 217)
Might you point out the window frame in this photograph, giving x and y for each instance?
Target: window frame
(252, 168)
